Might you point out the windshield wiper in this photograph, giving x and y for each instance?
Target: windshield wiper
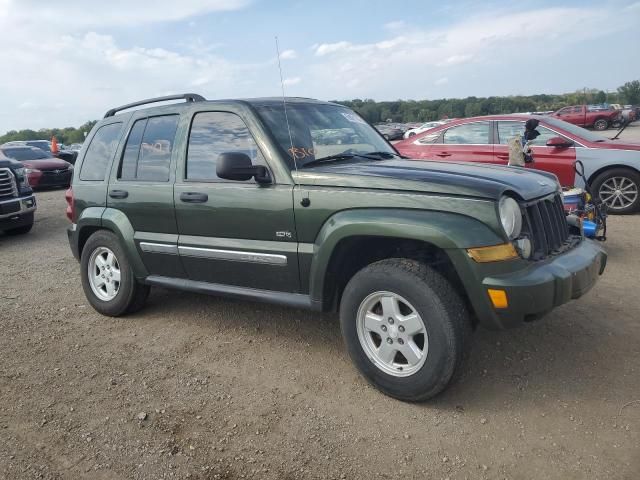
(330, 158)
(385, 154)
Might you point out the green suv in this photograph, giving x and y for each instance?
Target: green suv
(302, 203)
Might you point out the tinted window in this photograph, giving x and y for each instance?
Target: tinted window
(147, 154)
(100, 152)
(29, 153)
(471, 133)
(507, 130)
(213, 133)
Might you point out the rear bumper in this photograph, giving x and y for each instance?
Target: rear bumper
(539, 287)
(72, 234)
(17, 212)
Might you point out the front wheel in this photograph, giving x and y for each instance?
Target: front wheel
(619, 189)
(405, 327)
(601, 124)
(107, 277)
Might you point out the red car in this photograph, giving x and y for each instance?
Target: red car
(589, 116)
(43, 169)
(611, 166)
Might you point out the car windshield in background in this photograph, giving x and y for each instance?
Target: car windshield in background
(575, 130)
(28, 153)
(319, 131)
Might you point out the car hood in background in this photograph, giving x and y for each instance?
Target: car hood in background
(47, 164)
(450, 178)
(617, 145)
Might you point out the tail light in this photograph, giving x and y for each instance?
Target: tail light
(71, 206)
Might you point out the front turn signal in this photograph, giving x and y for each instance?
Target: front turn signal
(498, 298)
(494, 253)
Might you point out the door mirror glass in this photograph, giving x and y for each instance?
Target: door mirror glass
(237, 166)
(559, 142)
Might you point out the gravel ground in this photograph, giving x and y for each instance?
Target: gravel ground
(205, 388)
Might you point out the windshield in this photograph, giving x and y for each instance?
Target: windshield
(575, 130)
(319, 131)
(30, 153)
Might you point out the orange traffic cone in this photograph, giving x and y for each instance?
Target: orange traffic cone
(54, 145)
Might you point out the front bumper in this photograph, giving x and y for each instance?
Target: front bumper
(535, 288)
(17, 212)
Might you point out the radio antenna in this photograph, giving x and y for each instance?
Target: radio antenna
(284, 104)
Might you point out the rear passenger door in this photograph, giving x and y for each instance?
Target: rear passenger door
(237, 233)
(469, 142)
(141, 187)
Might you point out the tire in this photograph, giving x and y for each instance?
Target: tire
(130, 296)
(20, 230)
(412, 134)
(601, 124)
(440, 309)
(629, 182)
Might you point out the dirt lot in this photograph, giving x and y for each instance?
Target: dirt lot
(199, 387)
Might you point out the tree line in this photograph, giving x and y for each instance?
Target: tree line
(409, 110)
(428, 110)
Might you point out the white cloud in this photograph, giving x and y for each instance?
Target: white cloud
(328, 48)
(291, 81)
(456, 59)
(288, 55)
(78, 13)
(395, 25)
(441, 81)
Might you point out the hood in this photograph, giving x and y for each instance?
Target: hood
(6, 162)
(617, 145)
(449, 178)
(47, 164)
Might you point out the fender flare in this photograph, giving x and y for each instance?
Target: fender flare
(118, 223)
(444, 230)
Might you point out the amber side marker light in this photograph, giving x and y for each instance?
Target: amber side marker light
(498, 298)
(494, 253)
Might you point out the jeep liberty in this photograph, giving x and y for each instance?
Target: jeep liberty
(302, 203)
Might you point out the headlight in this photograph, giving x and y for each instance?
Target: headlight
(31, 170)
(510, 216)
(21, 176)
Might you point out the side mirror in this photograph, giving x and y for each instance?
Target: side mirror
(559, 142)
(238, 167)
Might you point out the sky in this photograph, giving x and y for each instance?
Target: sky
(68, 61)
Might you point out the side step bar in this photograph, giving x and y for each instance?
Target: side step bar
(295, 300)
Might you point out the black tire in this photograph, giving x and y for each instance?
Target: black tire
(131, 295)
(20, 230)
(626, 173)
(601, 124)
(412, 134)
(444, 316)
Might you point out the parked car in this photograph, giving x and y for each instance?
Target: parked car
(17, 203)
(43, 170)
(612, 166)
(585, 116)
(74, 147)
(389, 132)
(422, 128)
(243, 203)
(64, 153)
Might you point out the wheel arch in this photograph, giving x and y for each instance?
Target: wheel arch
(604, 168)
(353, 239)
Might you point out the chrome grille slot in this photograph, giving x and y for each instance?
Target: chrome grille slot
(8, 188)
(547, 225)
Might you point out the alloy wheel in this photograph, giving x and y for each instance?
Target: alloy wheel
(618, 192)
(392, 334)
(104, 274)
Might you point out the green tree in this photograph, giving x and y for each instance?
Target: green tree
(630, 92)
(600, 97)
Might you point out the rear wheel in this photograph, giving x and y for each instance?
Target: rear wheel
(601, 124)
(405, 328)
(107, 277)
(619, 189)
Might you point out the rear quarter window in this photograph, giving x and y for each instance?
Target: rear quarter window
(100, 152)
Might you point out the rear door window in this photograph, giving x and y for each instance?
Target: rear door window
(468, 134)
(100, 152)
(147, 154)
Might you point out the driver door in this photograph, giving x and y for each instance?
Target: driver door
(238, 233)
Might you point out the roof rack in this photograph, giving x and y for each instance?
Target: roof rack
(189, 97)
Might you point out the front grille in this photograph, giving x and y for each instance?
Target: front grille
(54, 177)
(9, 207)
(546, 222)
(7, 184)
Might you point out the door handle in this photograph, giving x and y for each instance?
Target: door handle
(503, 156)
(443, 154)
(194, 197)
(118, 194)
